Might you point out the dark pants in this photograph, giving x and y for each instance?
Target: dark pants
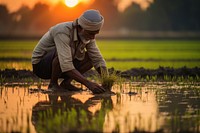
(44, 68)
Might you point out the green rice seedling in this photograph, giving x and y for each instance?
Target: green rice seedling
(2, 80)
(131, 78)
(174, 78)
(139, 78)
(142, 79)
(134, 78)
(154, 78)
(147, 78)
(197, 78)
(107, 80)
(182, 78)
(166, 78)
(190, 79)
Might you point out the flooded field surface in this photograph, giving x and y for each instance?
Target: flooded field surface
(136, 107)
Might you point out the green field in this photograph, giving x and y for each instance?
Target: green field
(147, 54)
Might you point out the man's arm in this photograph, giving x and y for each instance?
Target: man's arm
(96, 57)
(76, 75)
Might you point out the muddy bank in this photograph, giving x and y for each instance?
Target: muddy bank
(10, 75)
(162, 71)
(159, 74)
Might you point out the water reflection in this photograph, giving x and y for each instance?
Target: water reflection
(93, 107)
(149, 108)
(15, 108)
(178, 99)
(181, 108)
(121, 113)
(134, 112)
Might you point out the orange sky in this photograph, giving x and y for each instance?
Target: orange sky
(13, 5)
(122, 4)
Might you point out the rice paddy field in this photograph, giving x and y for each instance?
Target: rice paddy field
(137, 104)
(120, 54)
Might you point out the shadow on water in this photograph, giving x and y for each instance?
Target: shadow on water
(136, 107)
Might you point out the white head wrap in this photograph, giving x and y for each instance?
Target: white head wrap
(91, 20)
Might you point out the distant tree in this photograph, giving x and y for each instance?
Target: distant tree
(32, 21)
(110, 12)
(132, 18)
(22, 18)
(177, 15)
(5, 19)
(194, 11)
(40, 18)
(157, 16)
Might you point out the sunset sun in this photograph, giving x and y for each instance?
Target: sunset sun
(71, 3)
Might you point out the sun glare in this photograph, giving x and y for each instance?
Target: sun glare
(71, 3)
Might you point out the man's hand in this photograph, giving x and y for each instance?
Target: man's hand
(95, 88)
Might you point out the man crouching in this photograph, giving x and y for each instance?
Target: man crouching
(68, 50)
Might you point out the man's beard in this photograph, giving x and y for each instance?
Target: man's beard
(85, 41)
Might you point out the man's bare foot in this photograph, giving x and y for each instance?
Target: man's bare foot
(70, 87)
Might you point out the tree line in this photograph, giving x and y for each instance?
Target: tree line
(161, 15)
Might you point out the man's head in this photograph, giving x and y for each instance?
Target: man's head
(91, 22)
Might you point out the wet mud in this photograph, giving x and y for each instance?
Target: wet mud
(12, 75)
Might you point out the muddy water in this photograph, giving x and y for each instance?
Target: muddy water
(164, 107)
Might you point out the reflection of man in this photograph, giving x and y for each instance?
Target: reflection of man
(68, 103)
(68, 50)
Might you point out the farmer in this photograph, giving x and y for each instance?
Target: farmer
(68, 50)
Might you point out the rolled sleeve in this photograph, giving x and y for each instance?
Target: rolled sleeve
(62, 42)
(95, 55)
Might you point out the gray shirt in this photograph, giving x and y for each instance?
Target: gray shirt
(68, 47)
